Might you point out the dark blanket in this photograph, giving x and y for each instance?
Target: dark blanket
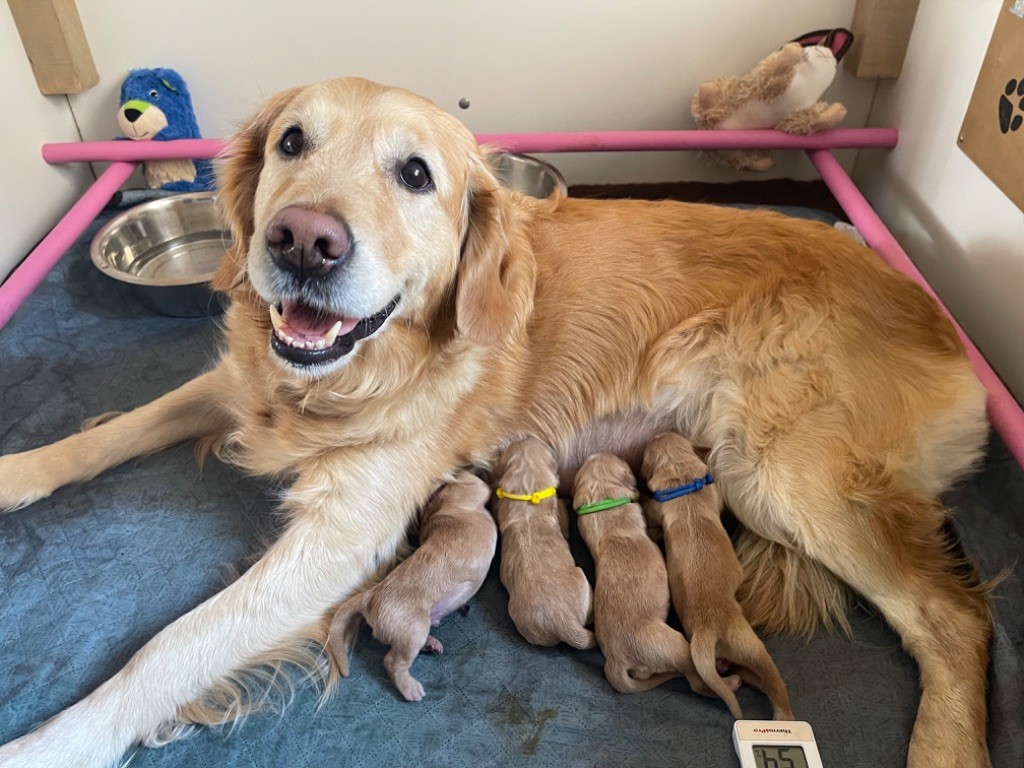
(90, 574)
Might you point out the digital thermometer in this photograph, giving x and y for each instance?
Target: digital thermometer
(775, 744)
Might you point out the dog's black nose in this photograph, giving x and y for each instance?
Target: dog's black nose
(307, 243)
(132, 115)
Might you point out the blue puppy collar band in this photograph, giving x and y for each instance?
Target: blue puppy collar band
(683, 490)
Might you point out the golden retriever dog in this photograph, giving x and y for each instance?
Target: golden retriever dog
(550, 599)
(703, 572)
(457, 542)
(395, 313)
(631, 597)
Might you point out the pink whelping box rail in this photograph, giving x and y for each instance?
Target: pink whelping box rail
(1006, 414)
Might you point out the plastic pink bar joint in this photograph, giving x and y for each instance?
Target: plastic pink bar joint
(30, 273)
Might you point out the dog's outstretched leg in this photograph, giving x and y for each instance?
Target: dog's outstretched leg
(338, 536)
(188, 412)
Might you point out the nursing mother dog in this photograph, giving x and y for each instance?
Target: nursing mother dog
(395, 313)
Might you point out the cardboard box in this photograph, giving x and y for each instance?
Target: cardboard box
(992, 134)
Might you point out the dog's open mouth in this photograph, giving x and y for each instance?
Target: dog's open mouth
(304, 335)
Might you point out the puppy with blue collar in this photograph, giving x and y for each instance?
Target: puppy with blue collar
(703, 571)
(631, 596)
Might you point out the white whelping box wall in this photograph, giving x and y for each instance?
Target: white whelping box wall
(531, 65)
(965, 236)
(34, 195)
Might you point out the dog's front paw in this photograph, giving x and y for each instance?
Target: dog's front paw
(23, 480)
(32, 751)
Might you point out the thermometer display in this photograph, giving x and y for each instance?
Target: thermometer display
(775, 744)
(771, 756)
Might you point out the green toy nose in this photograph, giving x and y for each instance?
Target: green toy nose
(133, 109)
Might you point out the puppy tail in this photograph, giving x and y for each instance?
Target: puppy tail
(784, 592)
(579, 637)
(744, 648)
(702, 653)
(621, 680)
(344, 627)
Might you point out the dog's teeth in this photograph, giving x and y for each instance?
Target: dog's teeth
(289, 339)
(320, 343)
(310, 345)
(275, 318)
(332, 334)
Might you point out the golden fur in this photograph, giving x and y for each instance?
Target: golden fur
(704, 574)
(835, 400)
(550, 599)
(631, 598)
(457, 543)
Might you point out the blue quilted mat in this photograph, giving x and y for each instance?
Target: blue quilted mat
(90, 574)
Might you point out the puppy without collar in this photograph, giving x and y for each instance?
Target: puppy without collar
(457, 543)
(631, 598)
(550, 599)
(704, 573)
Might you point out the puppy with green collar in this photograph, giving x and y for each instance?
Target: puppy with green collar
(631, 597)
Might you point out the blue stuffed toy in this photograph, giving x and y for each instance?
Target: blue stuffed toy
(156, 104)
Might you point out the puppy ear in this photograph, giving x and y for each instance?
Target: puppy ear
(483, 306)
(238, 173)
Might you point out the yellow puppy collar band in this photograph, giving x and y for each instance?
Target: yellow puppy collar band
(534, 498)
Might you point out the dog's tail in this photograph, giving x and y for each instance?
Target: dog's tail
(784, 592)
(344, 627)
(702, 652)
(579, 637)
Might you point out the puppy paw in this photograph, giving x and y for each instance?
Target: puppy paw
(411, 689)
(432, 646)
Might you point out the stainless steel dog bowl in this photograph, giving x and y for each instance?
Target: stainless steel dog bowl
(167, 251)
(528, 175)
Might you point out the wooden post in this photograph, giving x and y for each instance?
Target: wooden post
(52, 33)
(881, 30)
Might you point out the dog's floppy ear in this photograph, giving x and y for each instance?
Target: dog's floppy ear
(237, 176)
(483, 306)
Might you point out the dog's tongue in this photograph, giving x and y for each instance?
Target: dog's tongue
(303, 322)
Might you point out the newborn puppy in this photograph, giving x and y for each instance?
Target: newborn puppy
(703, 571)
(631, 599)
(457, 542)
(550, 599)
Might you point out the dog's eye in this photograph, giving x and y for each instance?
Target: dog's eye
(292, 141)
(154, 96)
(415, 174)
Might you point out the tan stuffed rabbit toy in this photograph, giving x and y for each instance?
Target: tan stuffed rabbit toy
(782, 92)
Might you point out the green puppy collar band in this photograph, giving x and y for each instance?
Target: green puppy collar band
(598, 506)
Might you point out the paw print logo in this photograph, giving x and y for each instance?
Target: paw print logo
(1007, 120)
